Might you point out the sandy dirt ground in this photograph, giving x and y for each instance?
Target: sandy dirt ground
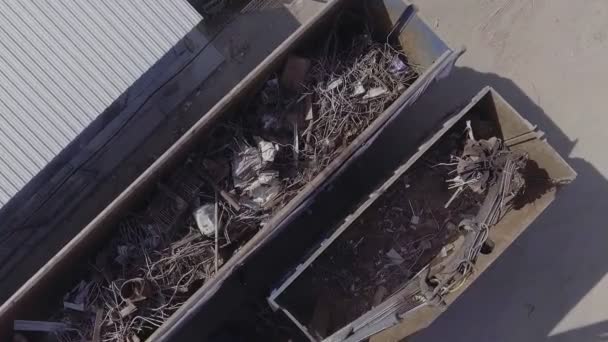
(546, 57)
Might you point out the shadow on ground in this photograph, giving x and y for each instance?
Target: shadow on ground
(550, 268)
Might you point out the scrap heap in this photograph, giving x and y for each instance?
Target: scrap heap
(489, 168)
(317, 108)
(206, 210)
(427, 229)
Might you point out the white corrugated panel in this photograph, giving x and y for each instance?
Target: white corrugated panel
(63, 62)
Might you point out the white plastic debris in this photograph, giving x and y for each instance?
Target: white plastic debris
(394, 257)
(265, 189)
(374, 92)
(268, 150)
(415, 220)
(205, 219)
(358, 89)
(397, 66)
(268, 177)
(245, 166)
(266, 193)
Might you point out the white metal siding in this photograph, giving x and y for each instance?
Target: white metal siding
(63, 62)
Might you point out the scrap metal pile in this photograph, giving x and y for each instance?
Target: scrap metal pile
(490, 168)
(204, 211)
(428, 228)
(326, 103)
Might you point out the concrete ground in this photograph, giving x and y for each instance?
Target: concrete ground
(548, 58)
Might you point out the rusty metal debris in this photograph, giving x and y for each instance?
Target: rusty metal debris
(264, 189)
(259, 184)
(245, 165)
(346, 94)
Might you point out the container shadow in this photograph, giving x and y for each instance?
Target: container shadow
(551, 267)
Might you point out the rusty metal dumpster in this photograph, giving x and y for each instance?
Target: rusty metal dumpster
(387, 262)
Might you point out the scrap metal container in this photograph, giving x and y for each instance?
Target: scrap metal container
(545, 173)
(392, 20)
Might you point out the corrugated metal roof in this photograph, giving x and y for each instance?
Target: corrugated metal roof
(63, 62)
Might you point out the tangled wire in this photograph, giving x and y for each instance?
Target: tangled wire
(486, 167)
(348, 94)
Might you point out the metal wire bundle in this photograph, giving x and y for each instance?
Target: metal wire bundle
(348, 93)
(490, 167)
(165, 285)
